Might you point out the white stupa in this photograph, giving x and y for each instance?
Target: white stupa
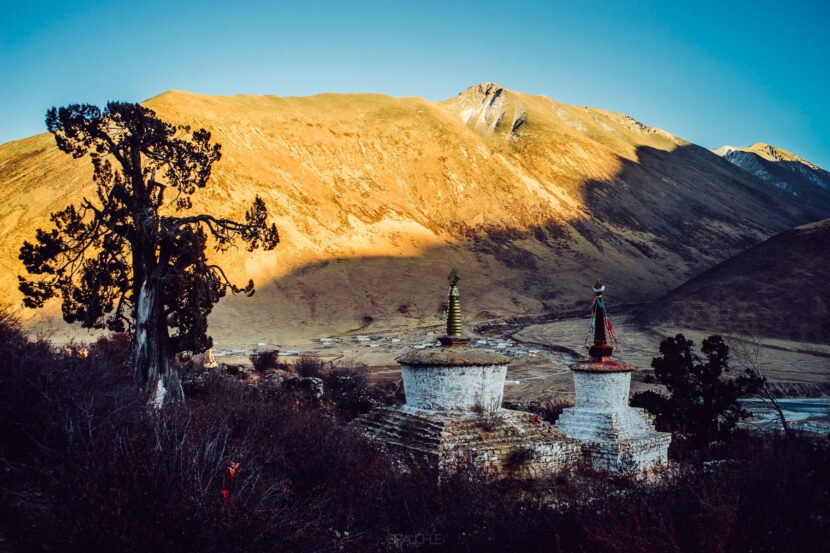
(453, 413)
(615, 437)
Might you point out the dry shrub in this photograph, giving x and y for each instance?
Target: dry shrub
(487, 415)
(90, 468)
(548, 410)
(309, 365)
(768, 493)
(87, 467)
(347, 386)
(264, 360)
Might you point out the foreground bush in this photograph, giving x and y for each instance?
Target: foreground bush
(90, 468)
(87, 467)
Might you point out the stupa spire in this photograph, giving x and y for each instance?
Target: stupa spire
(453, 328)
(600, 348)
(453, 305)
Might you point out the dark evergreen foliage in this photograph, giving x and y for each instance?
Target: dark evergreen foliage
(702, 401)
(127, 258)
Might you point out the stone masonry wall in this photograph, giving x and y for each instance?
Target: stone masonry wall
(627, 456)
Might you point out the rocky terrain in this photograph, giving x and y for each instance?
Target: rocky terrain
(377, 197)
(784, 170)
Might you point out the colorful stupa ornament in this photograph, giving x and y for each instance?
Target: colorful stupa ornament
(601, 340)
(601, 328)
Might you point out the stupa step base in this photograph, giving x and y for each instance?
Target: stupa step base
(627, 457)
(505, 444)
(600, 424)
(619, 441)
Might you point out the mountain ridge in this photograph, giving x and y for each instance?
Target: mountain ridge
(781, 168)
(377, 197)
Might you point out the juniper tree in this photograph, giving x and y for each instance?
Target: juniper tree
(129, 258)
(703, 394)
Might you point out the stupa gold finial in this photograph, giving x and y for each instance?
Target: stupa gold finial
(453, 305)
(453, 277)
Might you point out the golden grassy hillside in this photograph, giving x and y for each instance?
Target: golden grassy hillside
(377, 197)
(774, 153)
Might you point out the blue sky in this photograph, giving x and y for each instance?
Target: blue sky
(713, 73)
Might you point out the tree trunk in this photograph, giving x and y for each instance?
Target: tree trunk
(153, 369)
(772, 401)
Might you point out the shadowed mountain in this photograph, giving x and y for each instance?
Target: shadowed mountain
(376, 197)
(784, 170)
(775, 289)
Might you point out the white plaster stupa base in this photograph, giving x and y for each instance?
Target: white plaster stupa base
(453, 388)
(615, 437)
